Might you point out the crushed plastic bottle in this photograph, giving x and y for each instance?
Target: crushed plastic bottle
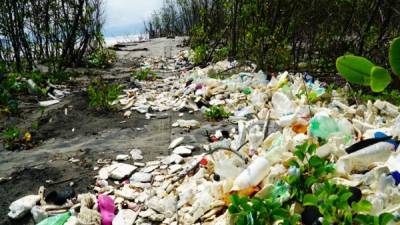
(282, 105)
(323, 126)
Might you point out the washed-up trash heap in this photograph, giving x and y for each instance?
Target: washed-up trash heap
(182, 188)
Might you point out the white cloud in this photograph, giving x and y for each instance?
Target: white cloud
(128, 15)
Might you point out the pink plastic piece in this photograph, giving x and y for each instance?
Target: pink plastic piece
(107, 209)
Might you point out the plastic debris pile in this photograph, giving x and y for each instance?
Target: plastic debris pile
(195, 189)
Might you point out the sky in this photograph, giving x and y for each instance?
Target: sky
(125, 17)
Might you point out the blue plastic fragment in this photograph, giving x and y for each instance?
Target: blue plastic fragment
(391, 141)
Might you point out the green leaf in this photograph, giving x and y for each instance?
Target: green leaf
(235, 199)
(310, 181)
(310, 199)
(233, 209)
(344, 197)
(394, 56)
(330, 168)
(316, 161)
(312, 149)
(279, 213)
(299, 154)
(380, 79)
(385, 218)
(355, 69)
(362, 206)
(363, 219)
(293, 163)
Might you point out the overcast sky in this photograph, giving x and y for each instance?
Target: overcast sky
(126, 16)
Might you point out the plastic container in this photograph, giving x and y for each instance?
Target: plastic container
(323, 126)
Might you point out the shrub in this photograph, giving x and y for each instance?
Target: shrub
(144, 74)
(216, 113)
(220, 54)
(102, 58)
(10, 86)
(102, 95)
(14, 138)
(200, 54)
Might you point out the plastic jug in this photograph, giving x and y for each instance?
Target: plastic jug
(323, 126)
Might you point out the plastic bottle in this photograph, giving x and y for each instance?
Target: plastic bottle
(360, 160)
(323, 126)
(22, 206)
(56, 220)
(38, 214)
(256, 137)
(252, 175)
(107, 209)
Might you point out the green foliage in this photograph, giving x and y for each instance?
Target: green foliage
(259, 211)
(10, 138)
(144, 74)
(220, 54)
(380, 79)
(355, 69)
(394, 56)
(284, 34)
(308, 182)
(102, 95)
(216, 113)
(10, 86)
(200, 54)
(16, 139)
(102, 58)
(359, 70)
(392, 96)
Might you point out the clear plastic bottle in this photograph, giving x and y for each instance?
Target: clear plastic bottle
(56, 220)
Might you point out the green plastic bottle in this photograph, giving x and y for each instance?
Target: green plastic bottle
(323, 126)
(56, 220)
